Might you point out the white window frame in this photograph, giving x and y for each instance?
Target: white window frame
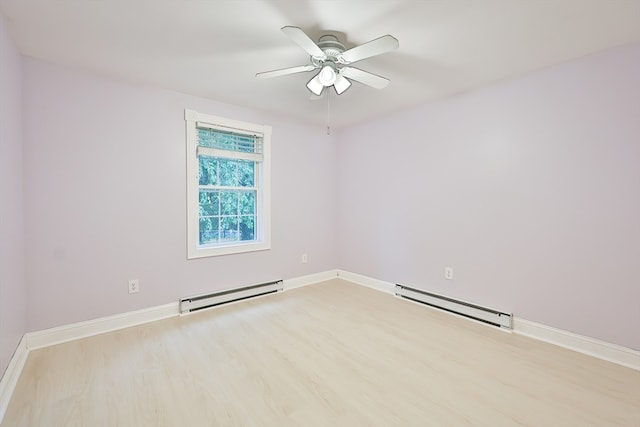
(262, 242)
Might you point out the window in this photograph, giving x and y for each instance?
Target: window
(228, 197)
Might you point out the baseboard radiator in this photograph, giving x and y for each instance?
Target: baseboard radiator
(200, 302)
(462, 308)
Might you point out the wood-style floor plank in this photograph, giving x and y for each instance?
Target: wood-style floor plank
(332, 354)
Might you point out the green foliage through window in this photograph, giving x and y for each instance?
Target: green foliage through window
(227, 192)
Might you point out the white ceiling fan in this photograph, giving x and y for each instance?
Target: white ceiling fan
(333, 60)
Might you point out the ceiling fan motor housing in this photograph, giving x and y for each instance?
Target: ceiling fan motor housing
(331, 47)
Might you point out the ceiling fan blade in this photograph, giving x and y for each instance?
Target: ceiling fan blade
(303, 40)
(371, 48)
(315, 85)
(285, 71)
(341, 84)
(365, 77)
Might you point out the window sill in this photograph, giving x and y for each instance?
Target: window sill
(195, 253)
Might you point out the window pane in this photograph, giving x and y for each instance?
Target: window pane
(228, 172)
(247, 227)
(229, 228)
(245, 174)
(247, 202)
(209, 203)
(229, 203)
(208, 170)
(209, 229)
(227, 216)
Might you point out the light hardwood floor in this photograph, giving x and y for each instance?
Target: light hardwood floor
(332, 354)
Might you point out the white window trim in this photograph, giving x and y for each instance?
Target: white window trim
(193, 118)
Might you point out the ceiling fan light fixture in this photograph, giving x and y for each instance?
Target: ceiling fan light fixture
(327, 76)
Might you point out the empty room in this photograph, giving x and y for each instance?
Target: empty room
(319, 213)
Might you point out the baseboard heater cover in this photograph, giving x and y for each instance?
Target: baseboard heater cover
(473, 311)
(200, 302)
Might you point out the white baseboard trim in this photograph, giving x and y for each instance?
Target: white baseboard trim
(93, 327)
(601, 349)
(74, 331)
(11, 374)
(39, 339)
(298, 282)
(378, 285)
(590, 346)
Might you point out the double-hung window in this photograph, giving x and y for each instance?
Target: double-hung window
(228, 186)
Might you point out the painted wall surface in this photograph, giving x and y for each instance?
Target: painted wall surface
(529, 189)
(12, 286)
(106, 198)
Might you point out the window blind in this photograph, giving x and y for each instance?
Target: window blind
(229, 144)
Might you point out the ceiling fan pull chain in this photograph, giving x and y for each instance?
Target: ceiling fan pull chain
(328, 116)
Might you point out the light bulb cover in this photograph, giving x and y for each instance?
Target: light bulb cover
(341, 84)
(314, 85)
(327, 76)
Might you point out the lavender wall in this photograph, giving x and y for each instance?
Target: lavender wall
(105, 198)
(529, 189)
(12, 286)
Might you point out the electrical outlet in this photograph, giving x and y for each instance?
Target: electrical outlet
(305, 258)
(448, 273)
(134, 286)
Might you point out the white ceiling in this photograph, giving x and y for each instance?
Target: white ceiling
(213, 48)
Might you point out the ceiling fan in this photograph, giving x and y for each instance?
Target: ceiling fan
(333, 60)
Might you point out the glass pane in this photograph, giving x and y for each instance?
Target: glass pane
(247, 227)
(228, 172)
(247, 202)
(229, 228)
(209, 229)
(208, 170)
(245, 174)
(229, 203)
(209, 203)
